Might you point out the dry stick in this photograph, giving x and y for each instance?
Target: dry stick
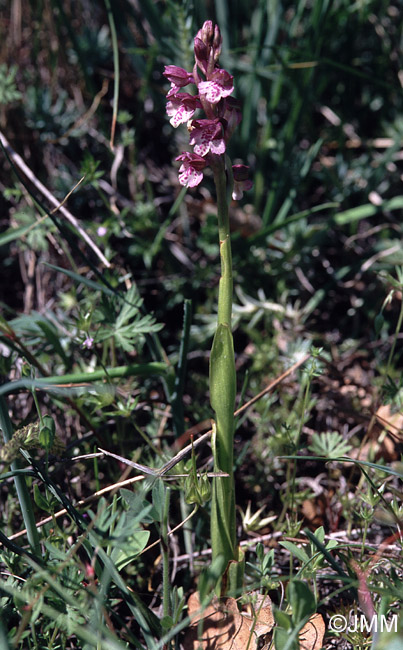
(31, 176)
(176, 459)
(46, 216)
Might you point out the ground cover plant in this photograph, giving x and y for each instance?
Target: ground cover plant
(154, 493)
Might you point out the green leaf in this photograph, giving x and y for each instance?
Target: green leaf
(80, 279)
(329, 444)
(297, 551)
(127, 549)
(158, 496)
(222, 394)
(139, 506)
(66, 381)
(283, 640)
(127, 327)
(368, 210)
(282, 619)
(8, 88)
(301, 599)
(320, 534)
(40, 500)
(167, 623)
(13, 233)
(209, 577)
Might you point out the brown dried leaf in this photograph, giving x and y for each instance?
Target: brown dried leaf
(391, 422)
(263, 613)
(223, 626)
(311, 635)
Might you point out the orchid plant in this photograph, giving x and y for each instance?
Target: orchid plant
(209, 136)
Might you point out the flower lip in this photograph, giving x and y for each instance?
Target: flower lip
(219, 84)
(190, 172)
(192, 159)
(181, 108)
(207, 135)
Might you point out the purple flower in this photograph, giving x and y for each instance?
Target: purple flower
(178, 78)
(88, 343)
(207, 135)
(181, 108)
(207, 47)
(241, 181)
(220, 84)
(190, 172)
(222, 113)
(201, 54)
(101, 231)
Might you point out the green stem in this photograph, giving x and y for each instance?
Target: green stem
(115, 49)
(297, 442)
(20, 484)
(222, 395)
(226, 283)
(166, 591)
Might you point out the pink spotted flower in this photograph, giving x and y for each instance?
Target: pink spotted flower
(178, 78)
(219, 84)
(181, 108)
(210, 133)
(207, 136)
(190, 172)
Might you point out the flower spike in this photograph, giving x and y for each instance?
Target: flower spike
(210, 134)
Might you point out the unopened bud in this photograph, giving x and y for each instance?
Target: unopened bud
(207, 32)
(46, 438)
(204, 488)
(201, 54)
(217, 42)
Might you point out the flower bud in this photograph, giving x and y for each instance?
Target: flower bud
(206, 33)
(217, 42)
(46, 438)
(201, 54)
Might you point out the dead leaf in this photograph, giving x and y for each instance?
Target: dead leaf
(225, 627)
(311, 635)
(391, 421)
(262, 613)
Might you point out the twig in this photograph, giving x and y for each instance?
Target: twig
(18, 161)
